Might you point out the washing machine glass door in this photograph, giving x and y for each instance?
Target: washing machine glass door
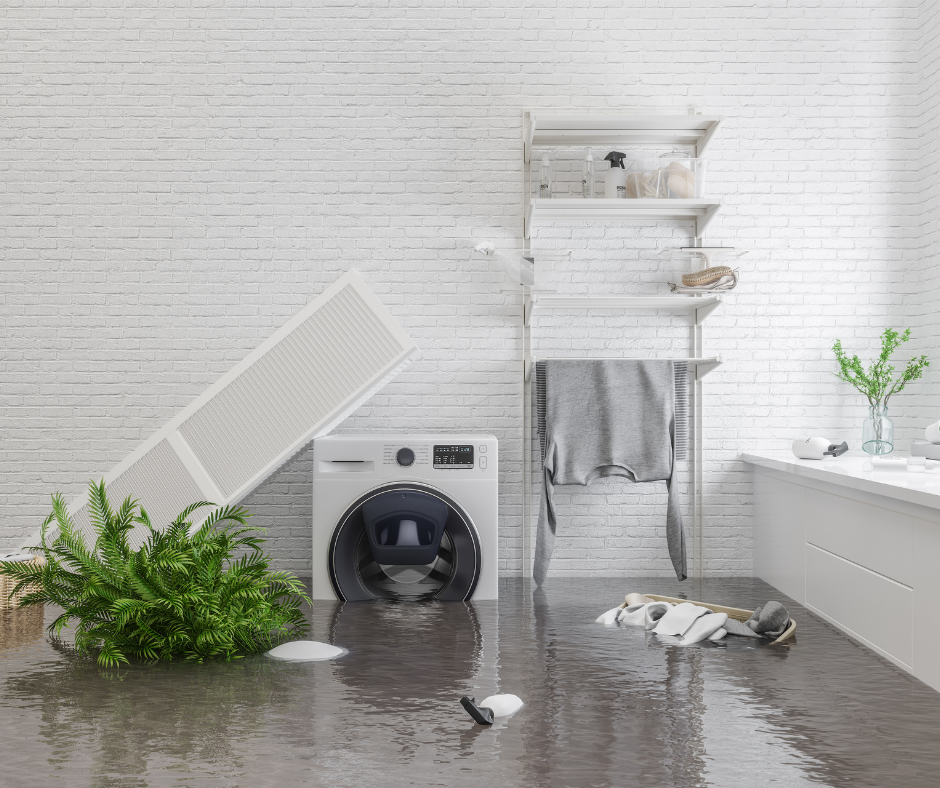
(358, 574)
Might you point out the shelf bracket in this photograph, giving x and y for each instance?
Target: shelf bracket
(705, 219)
(706, 138)
(528, 306)
(704, 367)
(702, 312)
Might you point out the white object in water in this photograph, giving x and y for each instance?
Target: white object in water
(810, 448)
(678, 619)
(502, 705)
(703, 627)
(718, 634)
(609, 618)
(305, 651)
(297, 385)
(644, 615)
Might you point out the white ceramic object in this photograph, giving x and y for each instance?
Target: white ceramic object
(932, 433)
(502, 705)
(810, 448)
(305, 651)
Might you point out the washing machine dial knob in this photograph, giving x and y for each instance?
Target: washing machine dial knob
(405, 457)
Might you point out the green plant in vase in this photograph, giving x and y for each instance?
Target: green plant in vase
(878, 384)
(181, 595)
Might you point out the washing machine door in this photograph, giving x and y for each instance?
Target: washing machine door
(451, 570)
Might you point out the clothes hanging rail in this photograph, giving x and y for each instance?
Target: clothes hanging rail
(702, 365)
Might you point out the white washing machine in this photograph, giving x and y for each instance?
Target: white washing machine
(405, 517)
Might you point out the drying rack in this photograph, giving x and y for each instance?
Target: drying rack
(581, 128)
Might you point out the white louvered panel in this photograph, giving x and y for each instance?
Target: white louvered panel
(297, 383)
(161, 484)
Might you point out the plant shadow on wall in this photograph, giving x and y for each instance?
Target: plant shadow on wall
(878, 383)
(181, 596)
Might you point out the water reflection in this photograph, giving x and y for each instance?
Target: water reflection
(604, 707)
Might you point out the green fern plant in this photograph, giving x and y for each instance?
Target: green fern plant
(182, 595)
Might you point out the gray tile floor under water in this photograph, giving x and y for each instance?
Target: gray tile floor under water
(604, 707)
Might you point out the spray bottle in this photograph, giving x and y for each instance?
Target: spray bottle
(615, 184)
(587, 175)
(545, 178)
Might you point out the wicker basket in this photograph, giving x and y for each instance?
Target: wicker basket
(7, 584)
(737, 613)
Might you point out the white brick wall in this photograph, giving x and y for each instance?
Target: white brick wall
(176, 181)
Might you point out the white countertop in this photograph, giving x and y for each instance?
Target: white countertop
(854, 471)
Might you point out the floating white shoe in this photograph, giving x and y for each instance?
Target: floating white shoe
(703, 627)
(609, 618)
(305, 651)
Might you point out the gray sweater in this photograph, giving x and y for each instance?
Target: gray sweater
(608, 418)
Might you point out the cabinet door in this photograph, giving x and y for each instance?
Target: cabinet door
(859, 530)
(779, 537)
(870, 606)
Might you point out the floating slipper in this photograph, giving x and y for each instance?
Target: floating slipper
(483, 715)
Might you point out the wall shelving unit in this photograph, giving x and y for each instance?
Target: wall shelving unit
(583, 128)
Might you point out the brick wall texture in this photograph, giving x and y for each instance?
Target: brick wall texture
(178, 178)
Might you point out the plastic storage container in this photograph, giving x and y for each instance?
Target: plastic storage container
(670, 176)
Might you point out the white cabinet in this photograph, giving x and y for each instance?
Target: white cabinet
(856, 547)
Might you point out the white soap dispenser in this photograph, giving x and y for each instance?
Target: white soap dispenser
(545, 179)
(587, 175)
(615, 184)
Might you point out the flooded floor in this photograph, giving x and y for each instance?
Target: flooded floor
(604, 707)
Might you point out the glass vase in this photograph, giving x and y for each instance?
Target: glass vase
(878, 431)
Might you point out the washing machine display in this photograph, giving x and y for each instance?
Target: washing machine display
(404, 530)
(453, 456)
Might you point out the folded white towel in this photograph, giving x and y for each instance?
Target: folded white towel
(643, 615)
(609, 618)
(703, 627)
(719, 634)
(678, 619)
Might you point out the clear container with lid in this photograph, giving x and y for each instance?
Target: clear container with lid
(682, 176)
(673, 175)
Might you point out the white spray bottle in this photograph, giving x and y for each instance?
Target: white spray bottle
(615, 184)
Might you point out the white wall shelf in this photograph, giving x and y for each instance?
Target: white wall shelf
(701, 212)
(587, 128)
(619, 131)
(699, 306)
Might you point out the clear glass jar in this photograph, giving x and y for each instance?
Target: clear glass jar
(878, 431)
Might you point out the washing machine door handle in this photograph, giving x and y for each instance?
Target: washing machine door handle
(405, 527)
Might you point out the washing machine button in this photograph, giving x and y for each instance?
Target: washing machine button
(405, 457)
(483, 449)
(482, 463)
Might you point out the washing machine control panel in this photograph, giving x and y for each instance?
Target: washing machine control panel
(453, 456)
